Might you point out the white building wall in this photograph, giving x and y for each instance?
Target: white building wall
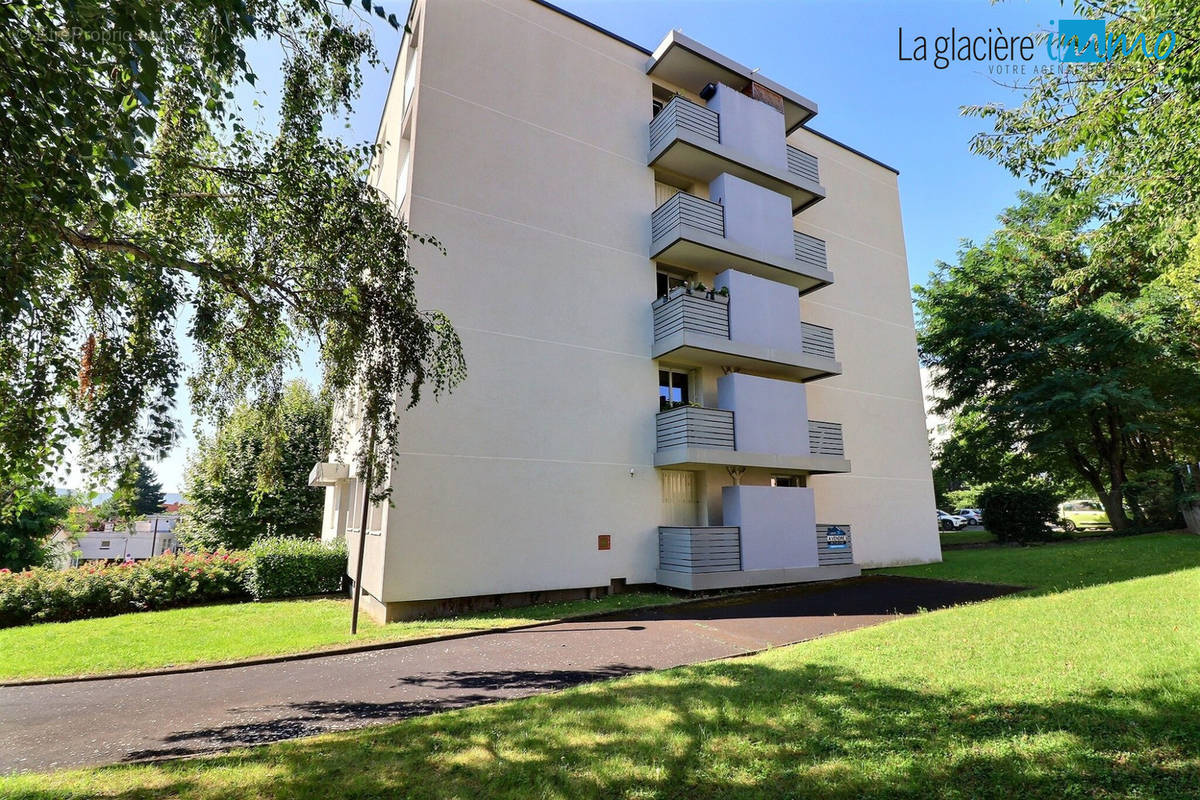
(506, 484)
(888, 495)
(528, 134)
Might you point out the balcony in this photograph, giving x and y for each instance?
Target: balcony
(703, 558)
(692, 329)
(693, 436)
(825, 438)
(802, 164)
(691, 232)
(686, 138)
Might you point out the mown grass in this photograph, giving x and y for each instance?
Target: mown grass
(965, 537)
(1065, 565)
(1090, 693)
(234, 631)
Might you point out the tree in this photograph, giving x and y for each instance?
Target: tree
(1126, 127)
(232, 500)
(25, 537)
(147, 491)
(132, 187)
(1068, 369)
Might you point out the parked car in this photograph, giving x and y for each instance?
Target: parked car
(950, 522)
(1076, 514)
(973, 516)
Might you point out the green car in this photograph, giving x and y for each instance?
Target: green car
(1076, 514)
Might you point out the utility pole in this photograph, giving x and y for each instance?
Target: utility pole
(362, 533)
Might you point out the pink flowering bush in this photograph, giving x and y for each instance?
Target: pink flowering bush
(102, 590)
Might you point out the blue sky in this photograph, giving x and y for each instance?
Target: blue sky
(844, 55)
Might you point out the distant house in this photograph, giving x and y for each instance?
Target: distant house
(149, 537)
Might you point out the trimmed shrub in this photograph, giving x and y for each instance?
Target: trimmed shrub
(104, 590)
(291, 567)
(1019, 513)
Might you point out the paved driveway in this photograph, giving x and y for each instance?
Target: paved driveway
(125, 719)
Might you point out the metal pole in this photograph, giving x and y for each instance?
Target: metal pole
(362, 533)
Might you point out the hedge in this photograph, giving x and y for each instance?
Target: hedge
(273, 567)
(289, 567)
(103, 590)
(1019, 513)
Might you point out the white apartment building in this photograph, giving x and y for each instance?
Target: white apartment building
(686, 317)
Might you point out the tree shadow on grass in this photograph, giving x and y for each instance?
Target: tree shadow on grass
(738, 729)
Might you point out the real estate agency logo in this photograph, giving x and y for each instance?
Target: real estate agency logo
(1074, 41)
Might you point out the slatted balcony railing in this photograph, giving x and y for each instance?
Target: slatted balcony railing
(825, 438)
(691, 312)
(810, 250)
(692, 426)
(803, 164)
(700, 550)
(834, 546)
(687, 209)
(817, 339)
(683, 115)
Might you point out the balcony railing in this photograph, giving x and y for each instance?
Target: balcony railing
(700, 550)
(803, 164)
(687, 209)
(817, 339)
(810, 250)
(683, 114)
(825, 438)
(691, 312)
(692, 426)
(834, 546)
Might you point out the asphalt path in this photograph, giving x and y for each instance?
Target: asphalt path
(114, 720)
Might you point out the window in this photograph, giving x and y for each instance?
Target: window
(354, 513)
(792, 481)
(672, 389)
(410, 68)
(667, 282)
(402, 178)
(656, 107)
(105, 544)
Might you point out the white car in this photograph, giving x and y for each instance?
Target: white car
(950, 522)
(973, 516)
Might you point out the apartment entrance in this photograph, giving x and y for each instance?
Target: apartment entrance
(681, 498)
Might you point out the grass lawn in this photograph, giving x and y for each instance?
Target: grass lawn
(243, 630)
(1089, 693)
(965, 537)
(1066, 565)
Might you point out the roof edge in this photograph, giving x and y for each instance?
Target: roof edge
(593, 26)
(854, 150)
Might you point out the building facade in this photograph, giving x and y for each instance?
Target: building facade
(686, 318)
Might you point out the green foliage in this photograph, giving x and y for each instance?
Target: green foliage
(1067, 374)
(147, 491)
(1126, 127)
(25, 535)
(287, 567)
(1019, 513)
(133, 187)
(103, 590)
(964, 498)
(232, 500)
